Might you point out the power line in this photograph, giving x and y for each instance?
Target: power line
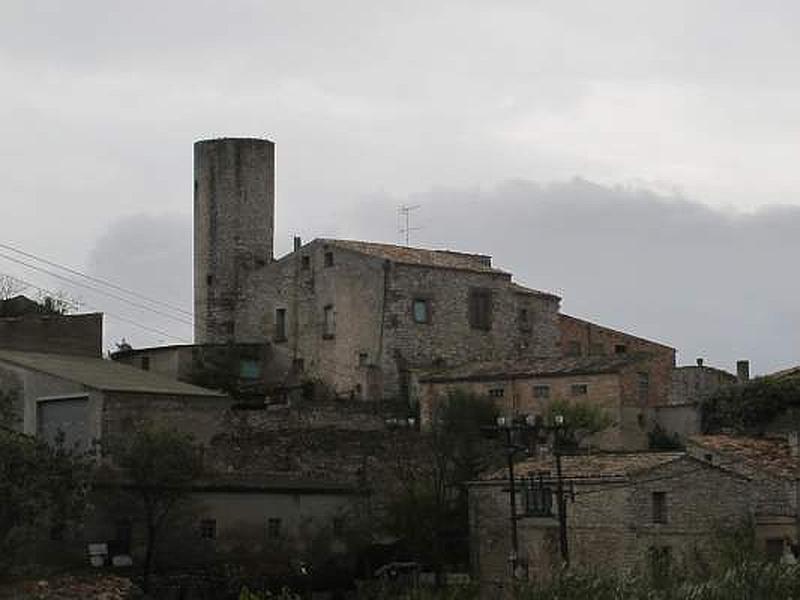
(78, 305)
(95, 289)
(96, 279)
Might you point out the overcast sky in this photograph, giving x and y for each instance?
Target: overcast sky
(637, 157)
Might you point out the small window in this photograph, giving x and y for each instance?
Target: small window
(145, 363)
(524, 319)
(273, 528)
(208, 529)
(541, 391)
(774, 549)
(305, 262)
(574, 348)
(644, 387)
(660, 559)
(579, 389)
(620, 349)
(250, 369)
(280, 324)
(299, 365)
(480, 309)
(329, 259)
(659, 507)
(329, 322)
(338, 526)
(420, 310)
(363, 357)
(497, 392)
(209, 280)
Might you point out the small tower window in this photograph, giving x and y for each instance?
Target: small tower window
(329, 322)
(280, 325)
(329, 259)
(306, 263)
(420, 310)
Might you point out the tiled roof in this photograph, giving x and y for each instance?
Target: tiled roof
(791, 373)
(752, 457)
(533, 367)
(591, 466)
(521, 289)
(102, 374)
(444, 259)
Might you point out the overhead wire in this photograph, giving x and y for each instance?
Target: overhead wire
(79, 305)
(95, 289)
(96, 279)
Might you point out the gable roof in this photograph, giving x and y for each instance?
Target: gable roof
(441, 259)
(533, 367)
(591, 466)
(750, 456)
(100, 374)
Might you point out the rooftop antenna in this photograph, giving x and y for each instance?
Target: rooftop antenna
(404, 225)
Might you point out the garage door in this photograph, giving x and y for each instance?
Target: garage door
(69, 416)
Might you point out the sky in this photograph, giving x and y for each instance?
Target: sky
(637, 158)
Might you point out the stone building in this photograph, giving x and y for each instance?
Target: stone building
(619, 384)
(629, 511)
(363, 316)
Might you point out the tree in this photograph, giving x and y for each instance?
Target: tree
(430, 512)
(752, 407)
(157, 468)
(581, 420)
(10, 287)
(42, 487)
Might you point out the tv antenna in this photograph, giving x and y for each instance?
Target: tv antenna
(404, 225)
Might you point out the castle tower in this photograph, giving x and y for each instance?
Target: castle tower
(234, 216)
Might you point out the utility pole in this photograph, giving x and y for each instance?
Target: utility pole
(405, 229)
(562, 501)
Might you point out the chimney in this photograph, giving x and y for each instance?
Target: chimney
(743, 370)
(297, 243)
(699, 362)
(794, 443)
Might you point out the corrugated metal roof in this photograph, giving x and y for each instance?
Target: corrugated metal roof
(591, 466)
(101, 374)
(533, 367)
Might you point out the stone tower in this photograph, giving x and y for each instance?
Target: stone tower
(234, 215)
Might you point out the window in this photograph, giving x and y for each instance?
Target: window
(305, 262)
(579, 389)
(644, 387)
(280, 324)
(208, 529)
(480, 309)
(659, 507)
(574, 348)
(496, 392)
(249, 369)
(363, 357)
(338, 526)
(145, 363)
(620, 349)
(774, 549)
(299, 365)
(273, 528)
(329, 322)
(541, 391)
(329, 259)
(660, 559)
(419, 308)
(524, 319)
(209, 280)
(538, 498)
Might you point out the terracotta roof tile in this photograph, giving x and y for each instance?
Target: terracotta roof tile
(591, 466)
(752, 457)
(533, 367)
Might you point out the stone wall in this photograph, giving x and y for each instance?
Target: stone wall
(610, 523)
(693, 384)
(80, 335)
(583, 338)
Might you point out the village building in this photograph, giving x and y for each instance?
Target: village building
(624, 511)
(87, 399)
